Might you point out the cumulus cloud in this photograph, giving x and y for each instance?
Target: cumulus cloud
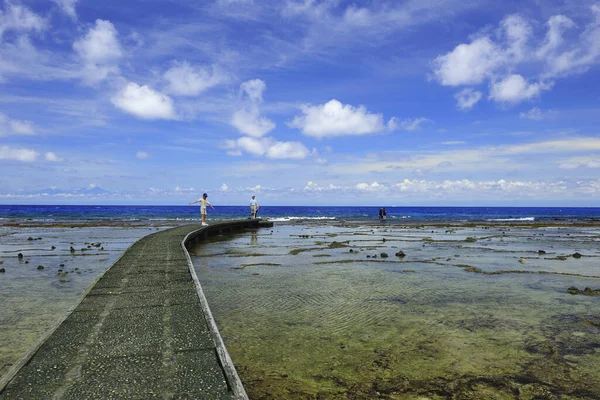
(144, 102)
(20, 18)
(9, 153)
(142, 155)
(249, 122)
(50, 156)
(468, 64)
(267, 147)
(467, 98)
(10, 126)
(224, 187)
(514, 89)
(184, 79)
(100, 51)
(336, 119)
(68, 7)
(497, 58)
(248, 119)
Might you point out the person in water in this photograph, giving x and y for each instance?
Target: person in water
(203, 203)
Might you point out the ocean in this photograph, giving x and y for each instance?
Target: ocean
(49, 213)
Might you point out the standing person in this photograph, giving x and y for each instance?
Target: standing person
(384, 214)
(254, 206)
(203, 202)
(381, 214)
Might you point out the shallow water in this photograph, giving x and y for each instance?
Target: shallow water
(33, 299)
(488, 317)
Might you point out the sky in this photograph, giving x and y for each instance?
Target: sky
(300, 102)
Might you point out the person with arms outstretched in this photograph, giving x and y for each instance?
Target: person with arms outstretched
(203, 203)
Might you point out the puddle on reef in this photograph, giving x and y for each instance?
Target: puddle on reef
(356, 325)
(38, 288)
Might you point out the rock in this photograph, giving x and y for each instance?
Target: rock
(576, 255)
(522, 260)
(40, 267)
(368, 256)
(20, 256)
(541, 252)
(53, 247)
(29, 238)
(383, 255)
(2, 270)
(400, 254)
(72, 250)
(27, 262)
(383, 239)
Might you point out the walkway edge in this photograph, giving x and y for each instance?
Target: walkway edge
(231, 375)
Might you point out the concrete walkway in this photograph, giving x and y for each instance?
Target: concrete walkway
(142, 331)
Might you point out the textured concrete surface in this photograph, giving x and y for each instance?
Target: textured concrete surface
(142, 331)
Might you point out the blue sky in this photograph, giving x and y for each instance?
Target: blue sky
(417, 102)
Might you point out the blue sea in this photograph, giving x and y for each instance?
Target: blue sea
(50, 213)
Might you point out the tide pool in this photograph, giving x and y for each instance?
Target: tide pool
(319, 311)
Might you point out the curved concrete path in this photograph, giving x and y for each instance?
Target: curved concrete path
(144, 330)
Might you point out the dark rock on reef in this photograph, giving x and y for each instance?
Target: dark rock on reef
(400, 254)
(40, 267)
(576, 255)
(20, 256)
(53, 247)
(586, 292)
(541, 252)
(72, 250)
(383, 255)
(2, 270)
(29, 238)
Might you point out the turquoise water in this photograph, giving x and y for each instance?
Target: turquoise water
(467, 313)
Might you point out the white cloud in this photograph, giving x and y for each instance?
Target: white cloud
(467, 98)
(514, 89)
(50, 156)
(370, 187)
(224, 187)
(68, 7)
(100, 51)
(180, 189)
(10, 126)
(468, 64)
(254, 90)
(537, 114)
(498, 59)
(407, 124)
(186, 80)
(248, 120)
(20, 18)
(575, 56)
(9, 153)
(142, 155)
(267, 147)
(557, 24)
(336, 119)
(144, 102)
